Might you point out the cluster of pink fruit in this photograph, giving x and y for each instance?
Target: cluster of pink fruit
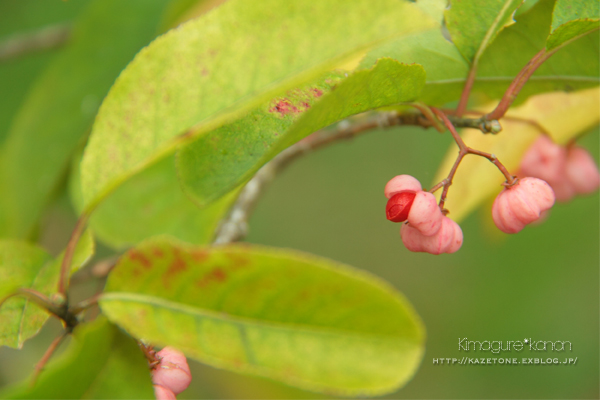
(551, 170)
(172, 375)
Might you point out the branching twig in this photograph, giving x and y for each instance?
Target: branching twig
(463, 150)
(43, 39)
(235, 226)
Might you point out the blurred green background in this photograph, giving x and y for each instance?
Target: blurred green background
(542, 283)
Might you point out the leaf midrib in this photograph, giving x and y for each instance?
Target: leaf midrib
(490, 32)
(244, 322)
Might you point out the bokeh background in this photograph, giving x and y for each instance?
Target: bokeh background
(542, 283)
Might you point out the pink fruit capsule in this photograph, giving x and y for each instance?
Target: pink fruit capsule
(162, 393)
(400, 183)
(448, 239)
(582, 171)
(544, 160)
(521, 204)
(173, 372)
(425, 215)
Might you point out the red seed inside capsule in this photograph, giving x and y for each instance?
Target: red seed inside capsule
(398, 206)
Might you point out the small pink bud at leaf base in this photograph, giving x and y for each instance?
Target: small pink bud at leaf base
(400, 183)
(448, 239)
(399, 205)
(425, 215)
(522, 204)
(582, 171)
(173, 371)
(162, 393)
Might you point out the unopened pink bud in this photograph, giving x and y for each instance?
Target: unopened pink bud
(162, 393)
(173, 371)
(425, 214)
(400, 183)
(582, 171)
(448, 239)
(522, 204)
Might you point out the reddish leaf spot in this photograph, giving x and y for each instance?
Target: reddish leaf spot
(177, 266)
(284, 107)
(157, 252)
(237, 260)
(200, 256)
(317, 92)
(140, 258)
(216, 275)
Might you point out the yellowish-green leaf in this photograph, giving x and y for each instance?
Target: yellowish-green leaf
(151, 203)
(25, 266)
(562, 115)
(215, 69)
(300, 319)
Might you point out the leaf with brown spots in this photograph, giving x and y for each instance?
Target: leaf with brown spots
(216, 69)
(293, 317)
(227, 157)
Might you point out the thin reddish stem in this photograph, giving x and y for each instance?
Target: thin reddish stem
(464, 97)
(427, 112)
(461, 144)
(510, 179)
(39, 367)
(65, 268)
(517, 84)
(463, 151)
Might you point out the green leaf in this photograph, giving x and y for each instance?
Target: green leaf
(100, 362)
(572, 19)
(433, 8)
(228, 156)
(26, 266)
(501, 62)
(150, 204)
(297, 318)
(18, 262)
(215, 69)
(474, 24)
(61, 106)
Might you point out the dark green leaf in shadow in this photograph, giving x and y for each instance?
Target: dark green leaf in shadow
(293, 317)
(101, 362)
(18, 74)
(63, 102)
